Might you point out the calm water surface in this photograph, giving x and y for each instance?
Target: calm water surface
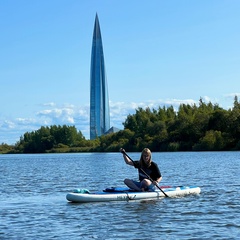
(34, 187)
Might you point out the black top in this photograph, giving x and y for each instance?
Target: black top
(152, 171)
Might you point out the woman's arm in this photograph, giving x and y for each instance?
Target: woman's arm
(157, 181)
(126, 159)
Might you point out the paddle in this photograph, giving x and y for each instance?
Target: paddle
(123, 152)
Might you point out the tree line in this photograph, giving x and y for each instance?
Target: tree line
(206, 127)
(202, 127)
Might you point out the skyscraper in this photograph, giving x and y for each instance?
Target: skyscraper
(99, 102)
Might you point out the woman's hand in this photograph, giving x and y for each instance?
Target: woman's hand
(155, 183)
(122, 150)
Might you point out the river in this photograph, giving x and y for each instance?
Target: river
(33, 201)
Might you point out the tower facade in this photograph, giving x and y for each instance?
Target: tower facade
(99, 101)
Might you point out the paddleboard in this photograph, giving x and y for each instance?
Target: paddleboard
(126, 194)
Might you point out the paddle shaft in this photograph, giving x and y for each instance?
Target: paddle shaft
(146, 174)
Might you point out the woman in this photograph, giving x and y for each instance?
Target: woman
(144, 165)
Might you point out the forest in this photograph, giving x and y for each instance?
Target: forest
(202, 127)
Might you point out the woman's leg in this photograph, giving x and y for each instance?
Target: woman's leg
(145, 183)
(132, 185)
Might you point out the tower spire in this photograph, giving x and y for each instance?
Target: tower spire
(99, 101)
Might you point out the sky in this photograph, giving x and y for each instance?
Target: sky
(157, 53)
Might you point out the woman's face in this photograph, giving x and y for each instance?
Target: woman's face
(147, 158)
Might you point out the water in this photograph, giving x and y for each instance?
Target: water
(34, 187)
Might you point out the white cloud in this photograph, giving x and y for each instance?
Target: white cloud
(52, 104)
(232, 95)
(53, 114)
(7, 124)
(25, 121)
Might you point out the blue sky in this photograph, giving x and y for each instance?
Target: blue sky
(156, 53)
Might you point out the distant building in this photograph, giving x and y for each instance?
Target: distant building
(99, 101)
(112, 130)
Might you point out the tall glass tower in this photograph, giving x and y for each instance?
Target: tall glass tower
(99, 102)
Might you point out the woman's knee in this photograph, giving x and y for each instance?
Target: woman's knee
(126, 181)
(146, 183)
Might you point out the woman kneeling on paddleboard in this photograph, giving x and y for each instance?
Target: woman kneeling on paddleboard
(149, 173)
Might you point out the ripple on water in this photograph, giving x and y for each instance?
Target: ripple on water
(33, 203)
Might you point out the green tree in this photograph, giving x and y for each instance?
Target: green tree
(212, 141)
